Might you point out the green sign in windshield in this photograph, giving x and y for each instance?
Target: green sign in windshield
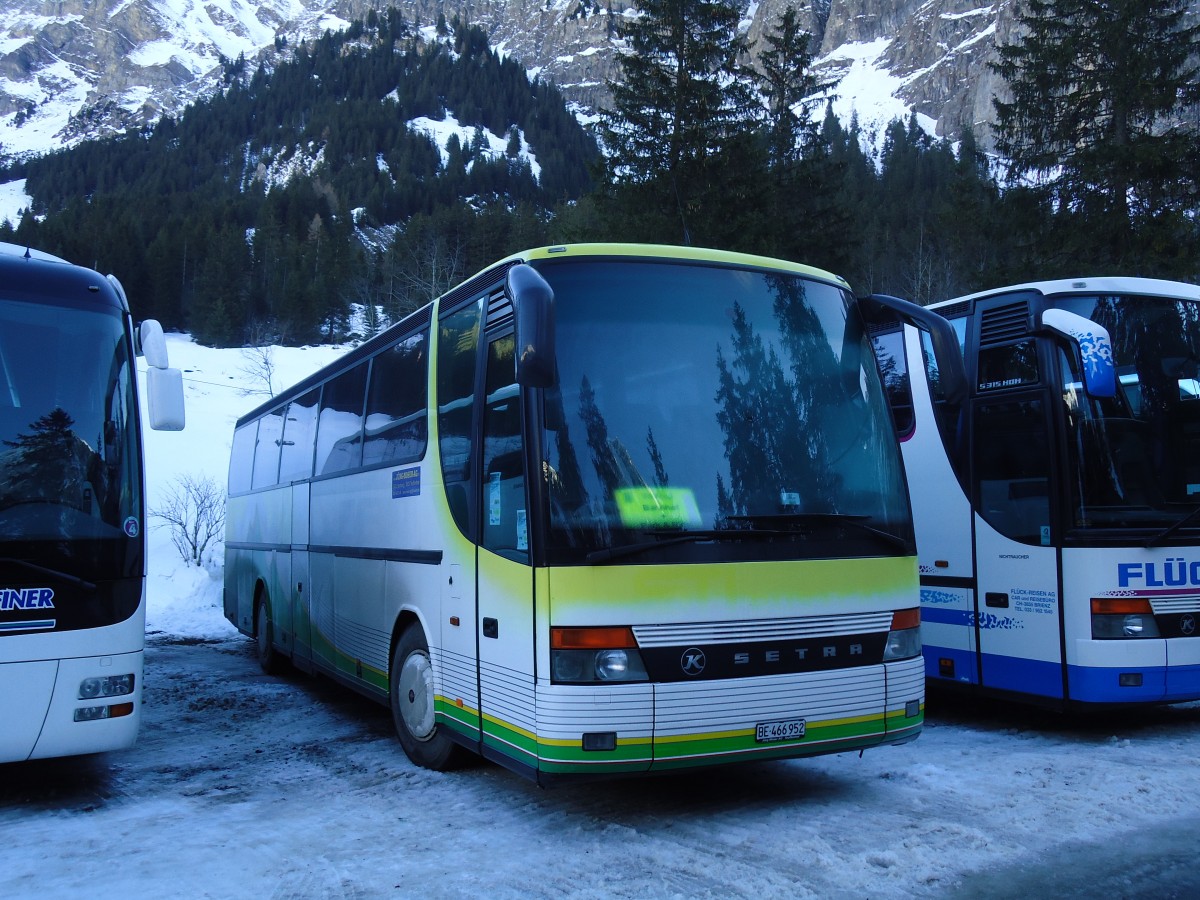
(657, 507)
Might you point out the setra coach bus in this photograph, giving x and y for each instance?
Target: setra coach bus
(1058, 508)
(601, 509)
(72, 507)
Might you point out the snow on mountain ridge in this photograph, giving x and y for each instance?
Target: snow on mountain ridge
(77, 69)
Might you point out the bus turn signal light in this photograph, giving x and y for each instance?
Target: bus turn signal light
(600, 638)
(1120, 606)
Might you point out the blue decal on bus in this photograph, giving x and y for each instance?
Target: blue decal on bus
(1175, 572)
(406, 483)
(930, 595)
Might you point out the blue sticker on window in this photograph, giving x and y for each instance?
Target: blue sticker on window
(406, 483)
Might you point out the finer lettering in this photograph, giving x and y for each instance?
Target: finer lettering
(26, 598)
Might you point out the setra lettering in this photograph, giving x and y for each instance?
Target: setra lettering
(832, 651)
(26, 598)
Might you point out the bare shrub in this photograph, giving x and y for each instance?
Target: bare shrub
(194, 510)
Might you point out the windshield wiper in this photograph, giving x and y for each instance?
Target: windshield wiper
(677, 537)
(1172, 528)
(53, 573)
(786, 521)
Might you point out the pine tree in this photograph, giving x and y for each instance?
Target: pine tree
(1095, 88)
(680, 104)
(788, 84)
(801, 201)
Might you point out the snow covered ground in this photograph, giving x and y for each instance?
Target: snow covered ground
(244, 785)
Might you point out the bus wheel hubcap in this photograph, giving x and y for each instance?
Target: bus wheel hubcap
(416, 689)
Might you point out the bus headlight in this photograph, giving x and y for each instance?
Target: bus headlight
(1122, 618)
(620, 665)
(594, 655)
(105, 686)
(904, 638)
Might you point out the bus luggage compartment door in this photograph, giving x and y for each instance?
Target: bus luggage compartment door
(28, 687)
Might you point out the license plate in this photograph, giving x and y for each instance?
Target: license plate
(787, 730)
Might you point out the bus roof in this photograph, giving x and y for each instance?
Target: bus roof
(471, 285)
(1109, 284)
(670, 251)
(28, 252)
(35, 277)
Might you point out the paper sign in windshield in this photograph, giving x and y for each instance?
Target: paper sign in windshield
(657, 507)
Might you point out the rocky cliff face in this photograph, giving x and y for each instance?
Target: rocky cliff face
(73, 69)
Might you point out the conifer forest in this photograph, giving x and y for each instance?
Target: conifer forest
(269, 211)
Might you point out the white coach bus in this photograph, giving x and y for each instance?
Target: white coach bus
(72, 510)
(1058, 508)
(600, 509)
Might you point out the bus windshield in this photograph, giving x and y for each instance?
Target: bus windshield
(1134, 460)
(707, 413)
(69, 470)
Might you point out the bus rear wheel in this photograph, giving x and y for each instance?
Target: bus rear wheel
(412, 701)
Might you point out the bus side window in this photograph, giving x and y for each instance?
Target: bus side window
(396, 428)
(241, 457)
(339, 430)
(299, 434)
(266, 450)
(504, 509)
(893, 369)
(948, 415)
(458, 343)
(1012, 460)
(1008, 366)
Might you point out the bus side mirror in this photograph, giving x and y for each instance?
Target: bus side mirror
(152, 344)
(164, 385)
(941, 333)
(533, 300)
(1095, 349)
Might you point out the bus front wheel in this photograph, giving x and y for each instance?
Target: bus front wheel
(264, 638)
(412, 693)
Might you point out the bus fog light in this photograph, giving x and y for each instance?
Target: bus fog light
(96, 713)
(600, 741)
(106, 686)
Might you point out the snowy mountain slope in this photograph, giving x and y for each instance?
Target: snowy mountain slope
(76, 69)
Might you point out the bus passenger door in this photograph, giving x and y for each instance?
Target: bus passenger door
(505, 578)
(454, 636)
(1017, 605)
(298, 586)
(942, 515)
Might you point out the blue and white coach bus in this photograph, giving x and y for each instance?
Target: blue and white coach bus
(72, 513)
(1058, 507)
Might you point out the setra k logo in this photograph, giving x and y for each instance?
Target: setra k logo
(692, 661)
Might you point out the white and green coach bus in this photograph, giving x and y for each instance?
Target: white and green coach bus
(601, 509)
